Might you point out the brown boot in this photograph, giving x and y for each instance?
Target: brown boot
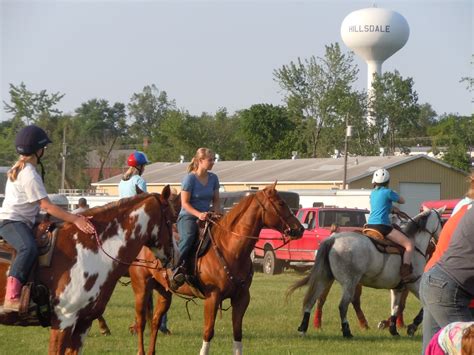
(406, 273)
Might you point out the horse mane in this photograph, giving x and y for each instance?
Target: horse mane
(415, 224)
(231, 218)
(118, 204)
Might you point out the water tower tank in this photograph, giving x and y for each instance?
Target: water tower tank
(375, 35)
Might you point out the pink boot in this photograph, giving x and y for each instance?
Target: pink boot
(12, 295)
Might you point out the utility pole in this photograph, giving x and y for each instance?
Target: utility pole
(348, 134)
(63, 162)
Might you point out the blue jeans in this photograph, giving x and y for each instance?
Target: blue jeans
(188, 229)
(444, 302)
(21, 238)
(164, 322)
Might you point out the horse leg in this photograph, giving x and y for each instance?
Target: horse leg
(318, 313)
(356, 304)
(210, 311)
(395, 297)
(413, 327)
(141, 297)
(401, 308)
(319, 288)
(348, 290)
(57, 339)
(163, 303)
(68, 342)
(239, 303)
(103, 327)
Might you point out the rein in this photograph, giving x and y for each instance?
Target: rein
(141, 262)
(221, 258)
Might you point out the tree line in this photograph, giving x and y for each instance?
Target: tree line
(319, 101)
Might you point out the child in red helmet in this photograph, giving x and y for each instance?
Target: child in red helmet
(132, 182)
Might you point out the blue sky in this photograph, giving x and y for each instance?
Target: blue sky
(212, 54)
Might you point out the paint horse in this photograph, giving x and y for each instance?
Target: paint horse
(350, 259)
(224, 270)
(85, 268)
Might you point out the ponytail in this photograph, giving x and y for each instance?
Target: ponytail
(193, 165)
(19, 166)
(129, 173)
(201, 153)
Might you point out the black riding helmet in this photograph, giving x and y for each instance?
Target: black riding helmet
(30, 139)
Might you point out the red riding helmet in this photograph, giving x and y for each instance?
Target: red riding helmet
(137, 159)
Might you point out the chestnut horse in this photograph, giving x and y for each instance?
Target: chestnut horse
(224, 271)
(85, 268)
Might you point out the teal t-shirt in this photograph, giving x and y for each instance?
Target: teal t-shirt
(381, 200)
(127, 188)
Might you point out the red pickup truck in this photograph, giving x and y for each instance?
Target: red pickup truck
(301, 253)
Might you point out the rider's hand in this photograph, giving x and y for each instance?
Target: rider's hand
(202, 216)
(84, 224)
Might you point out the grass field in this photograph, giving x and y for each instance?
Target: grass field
(269, 326)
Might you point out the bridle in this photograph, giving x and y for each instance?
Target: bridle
(287, 229)
(433, 240)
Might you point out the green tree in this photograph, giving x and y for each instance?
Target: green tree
(267, 131)
(456, 133)
(316, 87)
(394, 105)
(147, 109)
(102, 127)
(29, 106)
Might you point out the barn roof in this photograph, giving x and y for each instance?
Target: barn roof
(285, 170)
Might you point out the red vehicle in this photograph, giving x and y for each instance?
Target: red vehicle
(274, 256)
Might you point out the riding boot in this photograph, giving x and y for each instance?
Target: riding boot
(12, 295)
(178, 275)
(406, 273)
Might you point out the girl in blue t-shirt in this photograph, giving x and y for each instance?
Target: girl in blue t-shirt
(199, 188)
(381, 200)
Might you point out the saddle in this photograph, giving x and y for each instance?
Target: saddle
(200, 247)
(383, 244)
(45, 236)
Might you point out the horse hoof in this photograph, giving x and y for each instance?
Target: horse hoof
(411, 329)
(105, 333)
(348, 336)
(382, 325)
(301, 333)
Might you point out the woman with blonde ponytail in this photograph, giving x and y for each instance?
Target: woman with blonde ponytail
(199, 188)
(25, 195)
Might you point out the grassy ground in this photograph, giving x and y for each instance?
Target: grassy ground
(269, 326)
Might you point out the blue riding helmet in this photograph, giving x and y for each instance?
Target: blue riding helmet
(30, 139)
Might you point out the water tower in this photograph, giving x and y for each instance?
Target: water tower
(375, 35)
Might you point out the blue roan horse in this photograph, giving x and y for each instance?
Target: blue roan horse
(351, 258)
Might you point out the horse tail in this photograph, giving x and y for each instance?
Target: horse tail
(320, 274)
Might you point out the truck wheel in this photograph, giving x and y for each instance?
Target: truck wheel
(271, 265)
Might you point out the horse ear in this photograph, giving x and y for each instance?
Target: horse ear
(441, 209)
(425, 209)
(274, 185)
(166, 192)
